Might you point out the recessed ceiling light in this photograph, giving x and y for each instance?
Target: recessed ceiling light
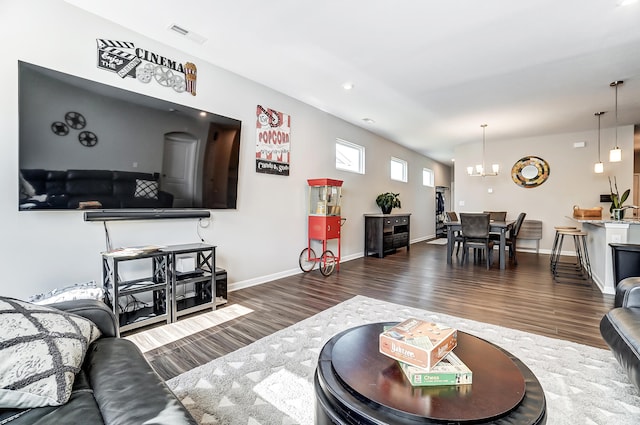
(626, 2)
(203, 114)
(368, 120)
(347, 86)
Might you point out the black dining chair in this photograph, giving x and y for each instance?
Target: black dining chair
(457, 235)
(475, 234)
(513, 237)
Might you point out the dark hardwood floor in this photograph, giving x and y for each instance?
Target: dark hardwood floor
(522, 297)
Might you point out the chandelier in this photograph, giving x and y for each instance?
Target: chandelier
(480, 170)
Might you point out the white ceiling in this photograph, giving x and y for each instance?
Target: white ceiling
(428, 72)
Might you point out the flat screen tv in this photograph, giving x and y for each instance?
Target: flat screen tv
(86, 145)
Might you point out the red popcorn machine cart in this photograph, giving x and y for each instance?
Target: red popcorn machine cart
(325, 222)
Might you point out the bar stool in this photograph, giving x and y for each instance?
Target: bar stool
(581, 269)
(556, 239)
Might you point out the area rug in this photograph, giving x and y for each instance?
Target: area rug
(270, 381)
(438, 241)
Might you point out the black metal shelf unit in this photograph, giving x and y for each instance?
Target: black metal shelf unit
(171, 293)
(131, 312)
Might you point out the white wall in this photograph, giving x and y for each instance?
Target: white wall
(571, 178)
(259, 241)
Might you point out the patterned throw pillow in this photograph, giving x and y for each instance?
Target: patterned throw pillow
(41, 350)
(78, 291)
(146, 189)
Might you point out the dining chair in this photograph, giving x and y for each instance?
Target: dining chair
(513, 237)
(497, 215)
(457, 235)
(475, 234)
(452, 216)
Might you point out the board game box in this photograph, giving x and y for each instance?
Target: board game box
(418, 342)
(449, 371)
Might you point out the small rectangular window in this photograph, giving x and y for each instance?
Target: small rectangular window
(349, 156)
(398, 169)
(427, 177)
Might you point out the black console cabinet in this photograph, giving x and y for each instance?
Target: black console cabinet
(384, 233)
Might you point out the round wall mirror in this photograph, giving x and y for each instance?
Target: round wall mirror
(530, 171)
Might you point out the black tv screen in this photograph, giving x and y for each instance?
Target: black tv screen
(87, 145)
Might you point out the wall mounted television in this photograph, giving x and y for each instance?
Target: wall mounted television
(87, 145)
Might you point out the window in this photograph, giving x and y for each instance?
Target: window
(427, 177)
(349, 156)
(398, 169)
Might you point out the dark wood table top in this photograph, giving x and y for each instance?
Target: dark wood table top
(498, 384)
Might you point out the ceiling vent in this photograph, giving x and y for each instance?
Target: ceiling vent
(189, 34)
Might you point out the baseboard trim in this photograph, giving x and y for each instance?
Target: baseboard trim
(274, 276)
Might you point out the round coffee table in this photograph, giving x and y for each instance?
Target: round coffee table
(356, 384)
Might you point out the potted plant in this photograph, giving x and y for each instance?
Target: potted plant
(386, 201)
(616, 208)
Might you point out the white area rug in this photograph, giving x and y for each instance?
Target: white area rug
(270, 381)
(438, 242)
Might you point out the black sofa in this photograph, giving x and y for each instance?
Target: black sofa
(620, 327)
(67, 189)
(115, 386)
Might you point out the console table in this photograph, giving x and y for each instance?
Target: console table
(173, 293)
(384, 233)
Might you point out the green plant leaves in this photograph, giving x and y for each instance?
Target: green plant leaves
(616, 203)
(388, 200)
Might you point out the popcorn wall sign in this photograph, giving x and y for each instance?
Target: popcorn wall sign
(127, 60)
(272, 141)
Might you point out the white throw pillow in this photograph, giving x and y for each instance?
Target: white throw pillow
(146, 189)
(78, 291)
(41, 350)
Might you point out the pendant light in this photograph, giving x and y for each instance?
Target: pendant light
(480, 169)
(598, 168)
(615, 154)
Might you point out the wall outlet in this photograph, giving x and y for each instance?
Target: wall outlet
(461, 203)
(616, 238)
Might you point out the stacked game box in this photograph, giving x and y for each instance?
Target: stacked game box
(418, 343)
(449, 371)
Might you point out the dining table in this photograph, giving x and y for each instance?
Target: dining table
(498, 227)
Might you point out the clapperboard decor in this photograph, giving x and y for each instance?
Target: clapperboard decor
(272, 141)
(127, 60)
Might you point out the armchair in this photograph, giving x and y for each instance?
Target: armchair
(620, 328)
(626, 260)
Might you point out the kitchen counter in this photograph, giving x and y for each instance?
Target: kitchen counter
(609, 220)
(602, 232)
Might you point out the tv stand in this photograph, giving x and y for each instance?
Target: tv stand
(173, 293)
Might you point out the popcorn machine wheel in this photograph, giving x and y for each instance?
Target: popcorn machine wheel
(325, 223)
